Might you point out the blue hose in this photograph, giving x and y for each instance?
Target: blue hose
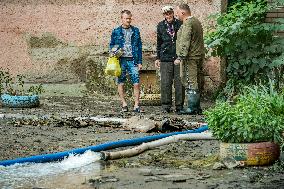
(101, 147)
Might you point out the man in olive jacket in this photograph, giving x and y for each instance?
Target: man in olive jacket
(190, 51)
(166, 54)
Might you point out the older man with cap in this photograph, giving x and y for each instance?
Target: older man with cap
(166, 54)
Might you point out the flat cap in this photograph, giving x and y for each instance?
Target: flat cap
(167, 8)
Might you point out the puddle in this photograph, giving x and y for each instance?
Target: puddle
(68, 173)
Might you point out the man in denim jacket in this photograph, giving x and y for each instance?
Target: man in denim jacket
(127, 37)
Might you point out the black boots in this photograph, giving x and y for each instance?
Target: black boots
(193, 108)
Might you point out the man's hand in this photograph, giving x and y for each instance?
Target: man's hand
(139, 67)
(177, 61)
(157, 63)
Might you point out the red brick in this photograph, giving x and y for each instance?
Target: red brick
(271, 15)
(280, 9)
(269, 20)
(281, 15)
(280, 33)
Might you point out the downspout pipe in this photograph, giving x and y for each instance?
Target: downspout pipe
(101, 147)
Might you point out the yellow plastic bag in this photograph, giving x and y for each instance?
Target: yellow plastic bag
(113, 67)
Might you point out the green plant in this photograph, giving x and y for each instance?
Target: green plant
(15, 85)
(36, 89)
(254, 54)
(256, 115)
(232, 2)
(6, 82)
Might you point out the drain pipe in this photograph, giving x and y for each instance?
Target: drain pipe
(101, 147)
(151, 145)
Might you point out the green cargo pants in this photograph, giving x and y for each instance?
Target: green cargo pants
(191, 73)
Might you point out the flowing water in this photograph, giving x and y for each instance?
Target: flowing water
(69, 173)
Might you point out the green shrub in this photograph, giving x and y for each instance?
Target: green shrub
(254, 54)
(256, 115)
(15, 85)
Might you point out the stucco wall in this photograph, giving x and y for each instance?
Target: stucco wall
(40, 38)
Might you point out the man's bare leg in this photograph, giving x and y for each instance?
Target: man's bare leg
(120, 88)
(136, 88)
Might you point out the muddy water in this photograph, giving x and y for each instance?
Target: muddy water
(187, 164)
(65, 174)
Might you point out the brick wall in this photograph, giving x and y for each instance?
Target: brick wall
(43, 38)
(275, 14)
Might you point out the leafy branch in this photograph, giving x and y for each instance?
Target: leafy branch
(254, 54)
(15, 85)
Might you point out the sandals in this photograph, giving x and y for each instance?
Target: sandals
(124, 109)
(138, 110)
(135, 110)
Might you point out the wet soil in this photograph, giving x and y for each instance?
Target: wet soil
(186, 164)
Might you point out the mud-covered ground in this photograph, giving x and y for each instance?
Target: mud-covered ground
(186, 164)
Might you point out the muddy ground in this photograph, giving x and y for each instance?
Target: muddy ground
(187, 164)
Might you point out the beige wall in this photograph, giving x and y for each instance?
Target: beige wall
(80, 27)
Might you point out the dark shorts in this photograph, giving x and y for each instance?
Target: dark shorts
(128, 66)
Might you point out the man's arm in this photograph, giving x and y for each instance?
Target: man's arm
(139, 43)
(159, 43)
(112, 42)
(184, 41)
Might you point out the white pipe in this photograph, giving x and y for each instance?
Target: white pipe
(151, 145)
(103, 119)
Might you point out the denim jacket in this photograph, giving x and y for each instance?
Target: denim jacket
(117, 38)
